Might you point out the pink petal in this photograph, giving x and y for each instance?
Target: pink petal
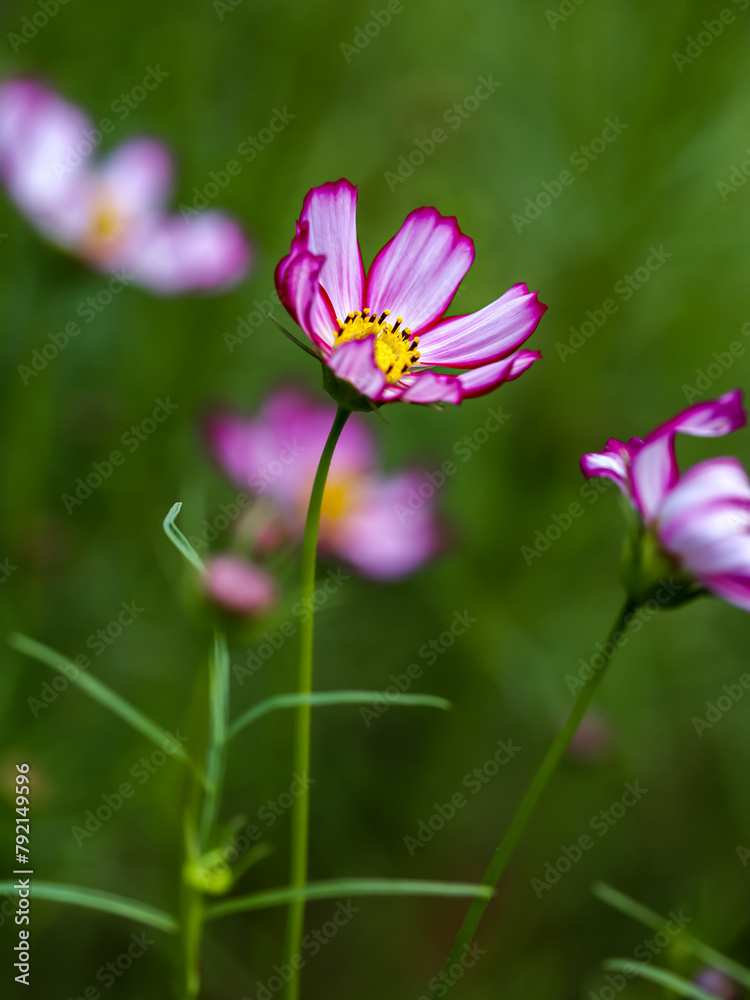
(426, 387)
(139, 174)
(417, 273)
(484, 336)
(654, 468)
(330, 212)
(480, 381)
(298, 285)
(239, 586)
(44, 147)
(354, 362)
(734, 588)
(705, 519)
(208, 253)
(612, 463)
(389, 535)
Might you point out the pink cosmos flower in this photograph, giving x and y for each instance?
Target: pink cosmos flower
(383, 332)
(700, 519)
(239, 586)
(379, 524)
(110, 214)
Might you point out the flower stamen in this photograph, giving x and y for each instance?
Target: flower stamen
(395, 350)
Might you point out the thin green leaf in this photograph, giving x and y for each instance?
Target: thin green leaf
(95, 899)
(346, 887)
(333, 698)
(655, 974)
(101, 693)
(705, 953)
(305, 347)
(217, 739)
(179, 541)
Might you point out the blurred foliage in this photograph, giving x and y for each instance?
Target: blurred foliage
(229, 68)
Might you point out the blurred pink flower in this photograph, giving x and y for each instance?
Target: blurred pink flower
(716, 983)
(700, 519)
(239, 586)
(383, 333)
(365, 519)
(111, 214)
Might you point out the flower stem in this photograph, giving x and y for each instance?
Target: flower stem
(533, 793)
(301, 808)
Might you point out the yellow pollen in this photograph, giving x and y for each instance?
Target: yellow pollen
(395, 346)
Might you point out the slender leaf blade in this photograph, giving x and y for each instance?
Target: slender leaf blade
(637, 911)
(100, 692)
(96, 899)
(179, 541)
(346, 887)
(655, 974)
(322, 698)
(216, 750)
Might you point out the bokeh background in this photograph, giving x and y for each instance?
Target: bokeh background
(355, 114)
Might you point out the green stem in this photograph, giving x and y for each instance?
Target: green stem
(533, 793)
(301, 808)
(191, 927)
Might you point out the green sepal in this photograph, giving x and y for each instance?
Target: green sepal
(345, 395)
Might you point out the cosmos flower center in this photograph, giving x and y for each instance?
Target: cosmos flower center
(336, 499)
(395, 345)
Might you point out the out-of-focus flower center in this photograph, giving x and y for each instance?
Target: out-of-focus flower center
(106, 227)
(395, 346)
(335, 499)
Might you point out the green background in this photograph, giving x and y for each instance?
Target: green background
(654, 186)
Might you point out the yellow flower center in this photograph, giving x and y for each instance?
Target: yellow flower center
(395, 346)
(335, 500)
(106, 223)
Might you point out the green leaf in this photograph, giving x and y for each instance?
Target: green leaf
(346, 887)
(101, 693)
(95, 899)
(655, 974)
(179, 541)
(333, 698)
(705, 953)
(217, 738)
